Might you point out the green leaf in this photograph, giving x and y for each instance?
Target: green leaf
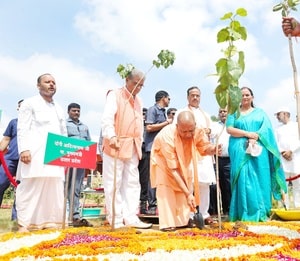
(241, 12)
(284, 13)
(221, 66)
(277, 7)
(124, 71)
(290, 3)
(221, 96)
(223, 35)
(241, 61)
(235, 97)
(243, 32)
(227, 16)
(165, 59)
(230, 51)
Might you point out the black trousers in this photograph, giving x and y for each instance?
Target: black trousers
(144, 176)
(225, 187)
(151, 191)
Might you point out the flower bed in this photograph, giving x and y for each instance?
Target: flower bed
(258, 241)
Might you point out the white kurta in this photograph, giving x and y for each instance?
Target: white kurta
(205, 164)
(206, 172)
(288, 139)
(218, 129)
(40, 194)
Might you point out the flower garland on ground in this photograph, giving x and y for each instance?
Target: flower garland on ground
(255, 241)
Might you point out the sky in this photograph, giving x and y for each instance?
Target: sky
(82, 42)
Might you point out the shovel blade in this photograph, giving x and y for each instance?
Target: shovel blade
(198, 219)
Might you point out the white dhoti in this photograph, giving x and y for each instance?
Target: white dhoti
(40, 202)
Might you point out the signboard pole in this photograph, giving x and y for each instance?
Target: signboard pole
(71, 201)
(65, 198)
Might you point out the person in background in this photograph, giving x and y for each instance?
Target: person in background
(287, 137)
(143, 172)
(224, 160)
(173, 152)
(171, 113)
(290, 26)
(205, 165)
(156, 120)
(76, 129)
(41, 185)
(122, 131)
(9, 145)
(256, 171)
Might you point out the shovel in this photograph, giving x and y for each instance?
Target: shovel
(198, 219)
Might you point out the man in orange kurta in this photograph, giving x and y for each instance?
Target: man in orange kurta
(122, 131)
(173, 156)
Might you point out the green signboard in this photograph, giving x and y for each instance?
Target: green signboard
(70, 152)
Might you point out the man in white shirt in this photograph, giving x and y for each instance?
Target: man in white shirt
(41, 185)
(289, 146)
(224, 160)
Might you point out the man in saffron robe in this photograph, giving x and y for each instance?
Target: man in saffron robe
(173, 156)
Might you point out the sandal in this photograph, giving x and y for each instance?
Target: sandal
(168, 229)
(81, 223)
(209, 221)
(190, 224)
(22, 229)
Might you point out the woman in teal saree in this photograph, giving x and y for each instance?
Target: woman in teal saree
(254, 179)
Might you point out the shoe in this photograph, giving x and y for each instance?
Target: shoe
(140, 224)
(143, 207)
(81, 223)
(119, 225)
(151, 211)
(168, 229)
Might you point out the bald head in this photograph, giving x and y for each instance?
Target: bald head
(186, 124)
(185, 117)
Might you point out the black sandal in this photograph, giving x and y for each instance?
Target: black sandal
(81, 223)
(210, 221)
(168, 229)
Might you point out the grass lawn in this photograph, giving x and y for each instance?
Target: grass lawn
(6, 225)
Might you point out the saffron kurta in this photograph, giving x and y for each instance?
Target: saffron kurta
(169, 152)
